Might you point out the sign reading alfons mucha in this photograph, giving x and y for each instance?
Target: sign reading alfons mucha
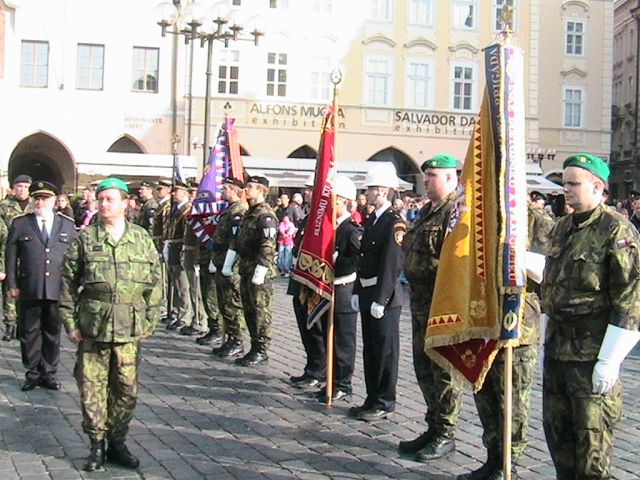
(289, 115)
(430, 123)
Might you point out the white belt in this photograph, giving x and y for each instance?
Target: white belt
(368, 282)
(345, 279)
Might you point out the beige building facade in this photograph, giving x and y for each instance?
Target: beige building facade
(625, 156)
(412, 83)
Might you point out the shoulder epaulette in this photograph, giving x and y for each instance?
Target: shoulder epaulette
(66, 217)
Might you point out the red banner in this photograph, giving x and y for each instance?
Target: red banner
(314, 268)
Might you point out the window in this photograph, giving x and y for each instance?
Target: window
(498, 5)
(276, 74)
(464, 14)
(378, 81)
(145, 69)
(574, 34)
(90, 67)
(236, 3)
(34, 64)
(278, 3)
(321, 78)
(322, 6)
(421, 12)
(419, 84)
(381, 10)
(229, 72)
(573, 99)
(463, 80)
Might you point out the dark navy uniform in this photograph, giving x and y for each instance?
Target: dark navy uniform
(33, 266)
(348, 238)
(381, 260)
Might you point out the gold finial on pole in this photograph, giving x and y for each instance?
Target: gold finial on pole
(507, 19)
(175, 141)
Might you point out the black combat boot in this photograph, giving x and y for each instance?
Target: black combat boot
(95, 460)
(9, 333)
(212, 337)
(253, 358)
(439, 446)
(119, 454)
(488, 470)
(413, 446)
(231, 348)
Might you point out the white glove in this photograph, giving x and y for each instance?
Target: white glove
(377, 310)
(258, 274)
(617, 344)
(335, 257)
(355, 302)
(212, 267)
(229, 259)
(535, 263)
(165, 252)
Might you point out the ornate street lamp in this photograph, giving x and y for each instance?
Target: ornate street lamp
(194, 23)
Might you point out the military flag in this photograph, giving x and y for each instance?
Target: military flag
(314, 268)
(478, 299)
(224, 161)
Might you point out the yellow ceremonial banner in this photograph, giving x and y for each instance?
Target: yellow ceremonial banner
(463, 329)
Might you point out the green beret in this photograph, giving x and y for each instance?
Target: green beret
(594, 164)
(112, 182)
(440, 161)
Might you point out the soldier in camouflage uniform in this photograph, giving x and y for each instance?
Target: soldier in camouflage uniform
(490, 398)
(17, 204)
(147, 213)
(422, 246)
(256, 246)
(591, 292)
(110, 300)
(174, 230)
(228, 286)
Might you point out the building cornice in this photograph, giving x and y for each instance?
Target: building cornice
(379, 37)
(421, 42)
(573, 71)
(463, 46)
(575, 3)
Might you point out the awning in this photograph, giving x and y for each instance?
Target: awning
(542, 185)
(138, 165)
(293, 172)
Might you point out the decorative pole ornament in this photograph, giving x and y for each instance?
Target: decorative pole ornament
(336, 76)
(507, 18)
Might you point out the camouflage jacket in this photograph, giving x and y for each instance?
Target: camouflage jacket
(227, 229)
(147, 214)
(256, 242)
(160, 216)
(423, 242)
(10, 208)
(4, 233)
(111, 291)
(540, 225)
(591, 279)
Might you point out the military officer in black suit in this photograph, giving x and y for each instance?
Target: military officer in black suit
(378, 294)
(346, 256)
(36, 244)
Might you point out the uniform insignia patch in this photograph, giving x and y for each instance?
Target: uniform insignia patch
(399, 236)
(234, 230)
(269, 232)
(623, 243)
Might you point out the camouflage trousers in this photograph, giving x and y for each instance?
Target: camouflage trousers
(209, 295)
(441, 392)
(107, 378)
(230, 302)
(578, 424)
(9, 308)
(256, 305)
(490, 400)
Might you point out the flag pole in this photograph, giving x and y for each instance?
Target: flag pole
(507, 34)
(336, 78)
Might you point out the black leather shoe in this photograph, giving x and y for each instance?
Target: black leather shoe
(438, 447)
(95, 460)
(373, 415)
(190, 331)
(253, 358)
(307, 383)
(173, 324)
(50, 383)
(481, 473)
(321, 396)
(413, 446)
(29, 384)
(212, 337)
(119, 454)
(9, 333)
(231, 349)
(355, 411)
(293, 379)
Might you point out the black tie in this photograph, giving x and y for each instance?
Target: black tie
(45, 234)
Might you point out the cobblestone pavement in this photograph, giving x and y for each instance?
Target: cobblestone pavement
(199, 417)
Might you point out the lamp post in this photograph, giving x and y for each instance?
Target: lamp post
(194, 23)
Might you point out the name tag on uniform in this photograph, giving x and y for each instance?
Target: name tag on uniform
(64, 234)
